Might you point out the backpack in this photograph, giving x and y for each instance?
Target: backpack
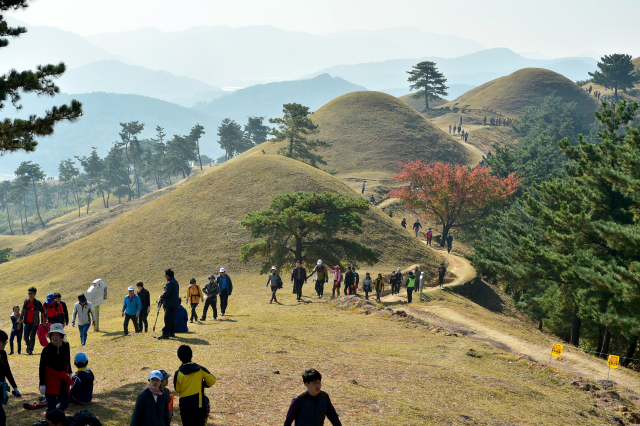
(52, 309)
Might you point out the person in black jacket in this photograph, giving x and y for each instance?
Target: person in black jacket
(5, 374)
(211, 292)
(65, 312)
(32, 314)
(145, 299)
(55, 369)
(298, 278)
(225, 287)
(170, 300)
(349, 281)
(152, 406)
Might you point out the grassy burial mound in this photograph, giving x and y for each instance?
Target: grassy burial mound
(371, 132)
(418, 103)
(510, 95)
(632, 94)
(195, 230)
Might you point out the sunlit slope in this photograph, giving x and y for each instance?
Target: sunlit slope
(418, 103)
(195, 230)
(371, 132)
(510, 95)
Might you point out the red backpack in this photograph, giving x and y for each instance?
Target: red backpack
(53, 309)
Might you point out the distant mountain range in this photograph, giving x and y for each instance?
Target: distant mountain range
(470, 70)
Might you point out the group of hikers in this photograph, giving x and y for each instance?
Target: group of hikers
(498, 121)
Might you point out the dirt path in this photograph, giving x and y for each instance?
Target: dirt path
(537, 346)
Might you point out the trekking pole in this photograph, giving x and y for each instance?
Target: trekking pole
(157, 314)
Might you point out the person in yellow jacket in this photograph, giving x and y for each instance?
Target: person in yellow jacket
(190, 381)
(194, 294)
(378, 287)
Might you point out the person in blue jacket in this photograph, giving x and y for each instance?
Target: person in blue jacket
(82, 387)
(170, 300)
(131, 310)
(225, 287)
(182, 318)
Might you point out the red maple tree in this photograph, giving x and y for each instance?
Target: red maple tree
(453, 195)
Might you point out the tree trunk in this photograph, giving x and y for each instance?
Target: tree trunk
(291, 147)
(616, 93)
(26, 219)
(540, 324)
(9, 220)
(199, 157)
(599, 346)
(426, 101)
(89, 199)
(605, 342)
(104, 201)
(298, 249)
(445, 232)
(20, 213)
(631, 351)
(108, 195)
(37, 207)
(575, 327)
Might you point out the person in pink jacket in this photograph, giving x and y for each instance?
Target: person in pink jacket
(337, 280)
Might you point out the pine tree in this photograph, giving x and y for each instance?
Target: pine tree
(132, 150)
(20, 134)
(93, 168)
(31, 173)
(616, 72)
(232, 138)
(255, 131)
(196, 133)
(428, 81)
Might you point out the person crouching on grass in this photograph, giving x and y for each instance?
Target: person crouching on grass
(310, 407)
(152, 406)
(82, 388)
(55, 369)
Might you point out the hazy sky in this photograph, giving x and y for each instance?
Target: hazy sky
(552, 27)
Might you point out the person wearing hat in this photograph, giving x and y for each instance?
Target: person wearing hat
(55, 369)
(31, 315)
(82, 388)
(152, 406)
(322, 275)
(298, 278)
(275, 281)
(211, 293)
(65, 312)
(53, 310)
(170, 300)
(225, 287)
(194, 294)
(86, 316)
(131, 308)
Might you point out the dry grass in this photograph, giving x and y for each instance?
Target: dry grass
(510, 95)
(418, 103)
(631, 94)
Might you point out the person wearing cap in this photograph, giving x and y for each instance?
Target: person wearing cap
(322, 275)
(275, 281)
(55, 369)
(5, 375)
(189, 381)
(86, 316)
(82, 388)
(170, 300)
(211, 293)
(194, 294)
(131, 308)
(225, 287)
(65, 312)
(298, 278)
(53, 310)
(152, 406)
(145, 300)
(31, 315)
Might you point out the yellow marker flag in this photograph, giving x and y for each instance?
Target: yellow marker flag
(613, 361)
(556, 349)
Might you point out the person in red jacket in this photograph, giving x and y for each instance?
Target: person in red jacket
(53, 310)
(55, 369)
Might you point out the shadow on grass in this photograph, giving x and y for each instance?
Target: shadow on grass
(480, 293)
(191, 340)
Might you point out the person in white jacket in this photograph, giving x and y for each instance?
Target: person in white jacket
(86, 317)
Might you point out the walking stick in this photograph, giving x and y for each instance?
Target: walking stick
(157, 314)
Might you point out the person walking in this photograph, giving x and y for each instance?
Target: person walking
(55, 369)
(170, 300)
(357, 277)
(337, 281)
(449, 241)
(275, 281)
(145, 300)
(429, 236)
(461, 120)
(190, 381)
(322, 275)
(5, 376)
(298, 278)
(392, 281)
(53, 310)
(485, 121)
(416, 227)
(312, 406)
(211, 291)
(131, 307)
(31, 315)
(449, 128)
(466, 136)
(398, 280)
(16, 329)
(349, 281)
(367, 285)
(441, 271)
(363, 186)
(83, 310)
(411, 284)
(152, 406)
(65, 312)
(404, 223)
(194, 294)
(226, 287)
(379, 286)
(459, 128)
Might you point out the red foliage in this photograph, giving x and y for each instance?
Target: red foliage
(453, 195)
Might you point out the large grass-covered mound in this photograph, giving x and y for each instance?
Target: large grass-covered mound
(418, 102)
(371, 132)
(511, 94)
(195, 230)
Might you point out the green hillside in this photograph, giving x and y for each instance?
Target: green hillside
(510, 95)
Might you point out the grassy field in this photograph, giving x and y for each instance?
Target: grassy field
(509, 96)
(631, 94)
(418, 103)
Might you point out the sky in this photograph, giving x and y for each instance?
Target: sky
(552, 27)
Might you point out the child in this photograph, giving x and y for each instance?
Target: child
(190, 381)
(311, 406)
(82, 387)
(16, 329)
(367, 284)
(151, 405)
